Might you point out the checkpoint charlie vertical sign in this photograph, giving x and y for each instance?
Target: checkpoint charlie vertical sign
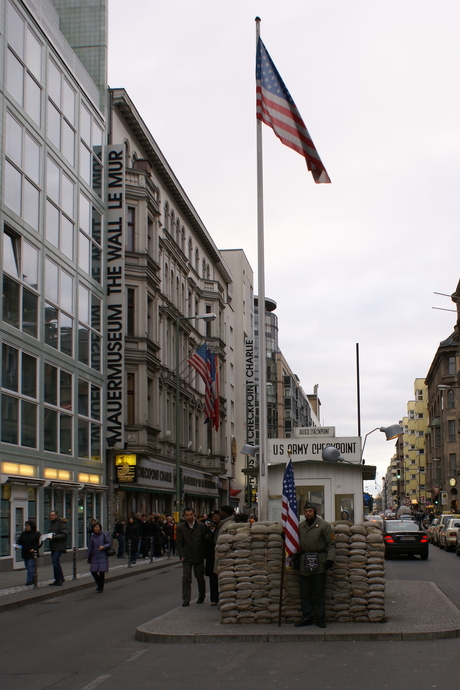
(115, 291)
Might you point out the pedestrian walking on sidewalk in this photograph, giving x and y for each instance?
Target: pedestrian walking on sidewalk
(190, 544)
(97, 555)
(119, 535)
(29, 541)
(132, 534)
(58, 545)
(212, 525)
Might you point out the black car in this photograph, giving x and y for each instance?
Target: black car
(403, 537)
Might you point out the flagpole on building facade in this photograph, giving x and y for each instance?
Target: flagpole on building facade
(262, 489)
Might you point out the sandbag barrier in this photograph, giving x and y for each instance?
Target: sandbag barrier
(249, 559)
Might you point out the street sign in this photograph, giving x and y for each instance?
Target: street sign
(444, 498)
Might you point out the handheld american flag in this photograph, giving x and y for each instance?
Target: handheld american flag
(277, 109)
(289, 517)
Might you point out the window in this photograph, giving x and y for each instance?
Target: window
(89, 328)
(58, 410)
(450, 399)
(208, 323)
(130, 391)
(451, 431)
(89, 416)
(451, 368)
(58, 308)
(24, 65)
(130, 229)
(91, 138)
(60, 209)
(20, 283)
(131, 309)
(452, 463)
(419, 395)
(90, 239)
(61, 113)
(19, 397)
(22, 172)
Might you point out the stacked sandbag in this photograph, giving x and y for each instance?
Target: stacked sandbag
(355, 586)
(249, 572)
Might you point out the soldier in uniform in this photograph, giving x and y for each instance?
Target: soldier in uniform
(317, 552)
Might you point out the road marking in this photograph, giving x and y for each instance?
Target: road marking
(96, 682)
(136, 655)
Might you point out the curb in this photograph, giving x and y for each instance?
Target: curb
(439, 622)
(145, 635)
(77, 586)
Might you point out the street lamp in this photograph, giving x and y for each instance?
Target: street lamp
(393, 431)
(203, 317)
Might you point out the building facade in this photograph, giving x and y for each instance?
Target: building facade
(172, 272)
(240, 382)
(443, 437)
(53, 126)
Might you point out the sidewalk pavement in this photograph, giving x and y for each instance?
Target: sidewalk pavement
(14, 593)
(414, 611)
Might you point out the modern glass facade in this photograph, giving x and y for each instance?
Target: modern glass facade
(52, 252)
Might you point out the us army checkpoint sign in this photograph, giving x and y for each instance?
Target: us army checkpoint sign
(312, 448)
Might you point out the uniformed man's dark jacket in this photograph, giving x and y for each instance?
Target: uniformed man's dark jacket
(190, 541)
(317, 538)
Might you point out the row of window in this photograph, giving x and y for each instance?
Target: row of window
(21, 393)
(22, 195)
(25, 84)
(20, 302)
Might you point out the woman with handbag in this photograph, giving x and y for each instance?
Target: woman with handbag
(29, 540)
(97, 555)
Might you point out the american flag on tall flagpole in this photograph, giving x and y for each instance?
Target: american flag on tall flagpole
(289, 516)
(277, 109)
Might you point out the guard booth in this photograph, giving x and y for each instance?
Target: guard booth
(331, 486)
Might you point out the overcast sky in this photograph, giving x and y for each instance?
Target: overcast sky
(356, 261)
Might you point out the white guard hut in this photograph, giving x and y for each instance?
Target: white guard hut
(332, 487)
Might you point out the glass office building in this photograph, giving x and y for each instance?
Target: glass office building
(53, 131)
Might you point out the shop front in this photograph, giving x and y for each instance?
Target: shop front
(30, 492)
(200, 491)
(147, 486)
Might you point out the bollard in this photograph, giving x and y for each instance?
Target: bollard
(151, 549)
(129, 553)
(35, 569)
(74, 563)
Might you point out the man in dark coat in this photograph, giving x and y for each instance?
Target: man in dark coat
(58, 545)
(190, 543)
(317, 547)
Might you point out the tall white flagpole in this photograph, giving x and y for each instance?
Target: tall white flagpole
(262, 489)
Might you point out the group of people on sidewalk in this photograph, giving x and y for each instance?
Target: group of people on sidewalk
(141, 537)
(99, 545)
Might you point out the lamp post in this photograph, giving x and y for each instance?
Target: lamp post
(203, 317)
(390, 432)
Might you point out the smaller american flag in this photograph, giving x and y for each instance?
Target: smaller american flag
(199, 361)
(289, 517)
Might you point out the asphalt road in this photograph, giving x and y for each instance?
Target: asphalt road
(441, 568)
(85, 641)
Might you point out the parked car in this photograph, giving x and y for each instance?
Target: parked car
(430, 530)
(448, 534)
(443, 520)
(405, 537)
